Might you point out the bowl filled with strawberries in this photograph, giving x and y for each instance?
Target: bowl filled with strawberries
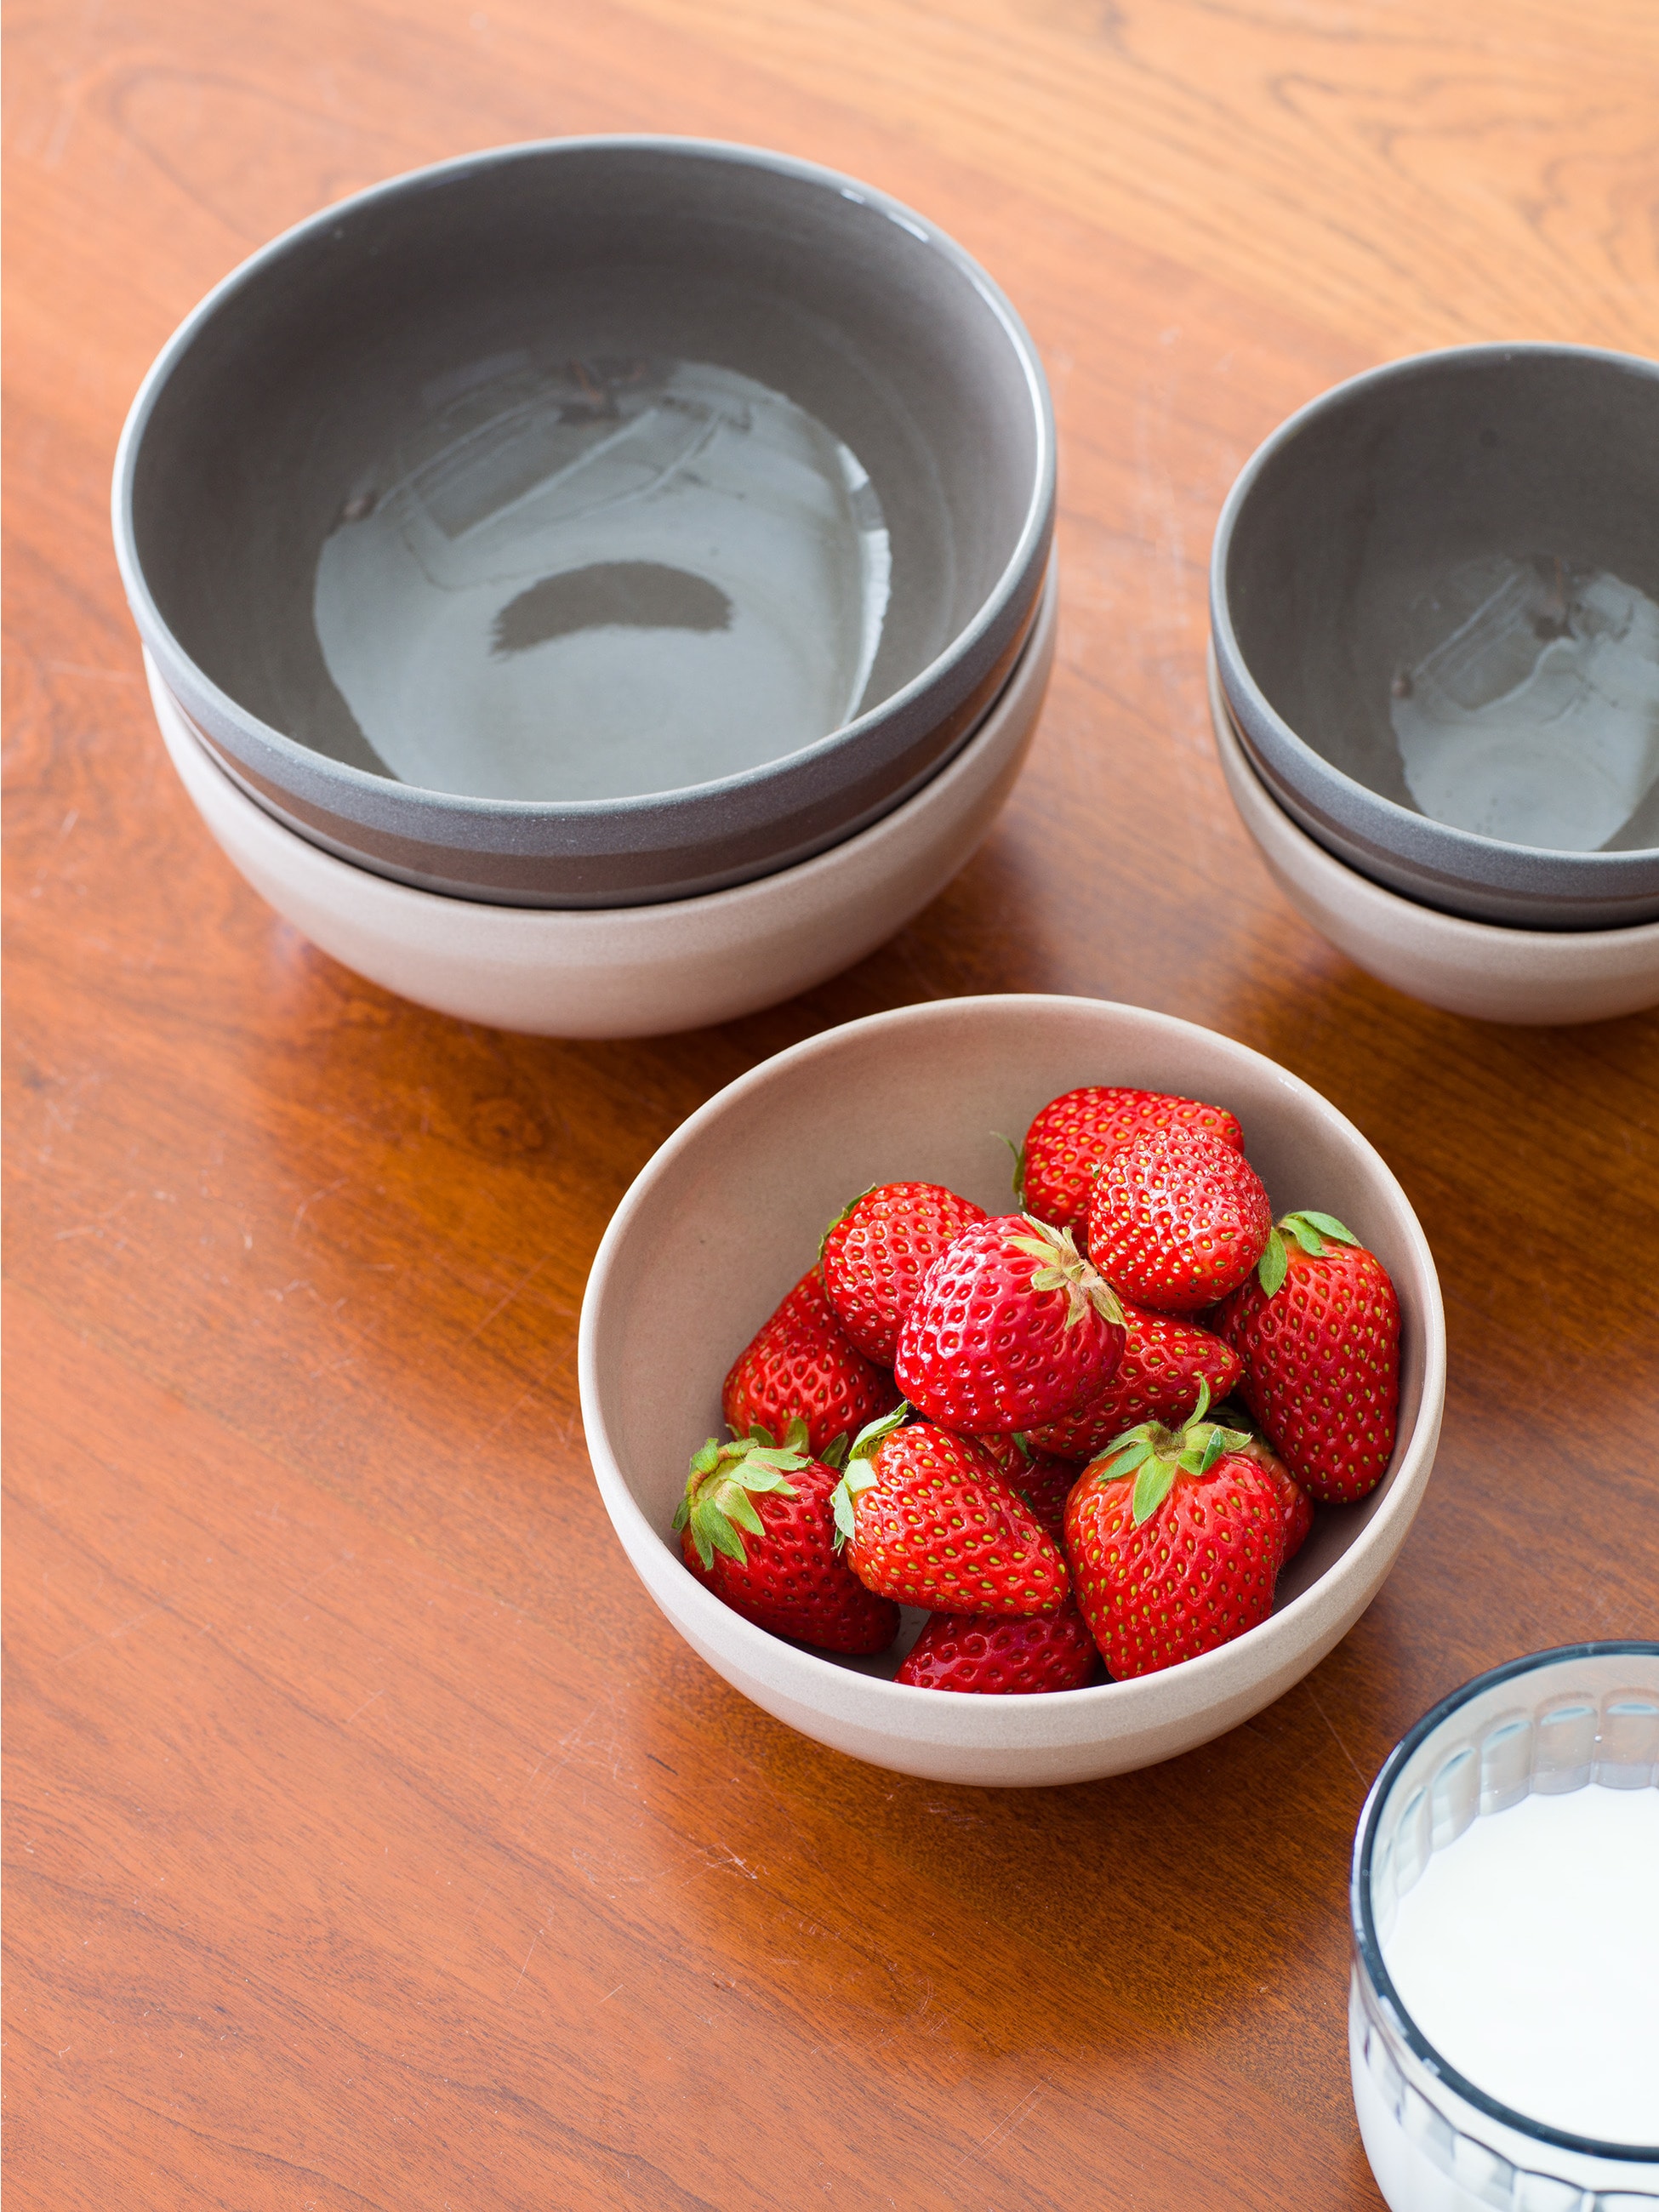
(1013, 1486)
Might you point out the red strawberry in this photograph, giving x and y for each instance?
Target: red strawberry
(875, 1254)
(1011, 1328)
(1318, 1331)
(1070, 1138)
(1177, 1219)
(801, 1362)
(1042, 1480)
(993, 1656)
(928, 1521)
(790, 1578)
(1175, 1540)
(1297, 1505)
(1164, 1359)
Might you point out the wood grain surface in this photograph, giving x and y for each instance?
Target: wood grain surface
(371, 1840)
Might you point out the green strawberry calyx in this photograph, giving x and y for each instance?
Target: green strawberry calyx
(833, 1454)
(860, 1475)
(1153, 1456)
(830, 1227)
(1017, 1152)
(722, 1479)
(1309, 1231)
(1063, 1267)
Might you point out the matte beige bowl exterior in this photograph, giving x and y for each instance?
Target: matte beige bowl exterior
(1537, 976)
(637, 970)
(722, 1220)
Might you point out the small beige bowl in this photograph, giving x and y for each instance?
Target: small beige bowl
(722, 1222)
(1495, 973)
(631, 970)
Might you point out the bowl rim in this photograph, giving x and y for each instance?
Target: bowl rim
(1353, 806)
(1472, 934)
(1362, 1920)
(1142, 1699)
(183, 673)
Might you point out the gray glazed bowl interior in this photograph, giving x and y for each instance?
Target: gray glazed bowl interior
(545, 285)
(1373, 526)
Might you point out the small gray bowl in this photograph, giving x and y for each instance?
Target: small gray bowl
(1434, 596)
(591, 523)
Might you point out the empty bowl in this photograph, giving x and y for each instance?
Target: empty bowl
(635, 971)
(1482, 969)
(738, 1199)
(1435, 601)
(593, 523)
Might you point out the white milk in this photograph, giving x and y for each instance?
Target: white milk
(1528, 1953)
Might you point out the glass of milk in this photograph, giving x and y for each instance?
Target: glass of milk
(1503, 2011)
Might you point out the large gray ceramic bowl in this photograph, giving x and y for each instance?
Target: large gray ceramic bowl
(591, 523)
(1435, 601)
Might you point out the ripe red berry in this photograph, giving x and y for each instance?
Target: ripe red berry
(1011, 1328)
(801, 1362)
(992, 1656)
(1042, 1479)
(1175, 1541)
(1320, 1354)
(927, 1520)
(875, 1254)
(1177, 1219)
(1165, 1358)
(1070, 1138)
(788, 1576)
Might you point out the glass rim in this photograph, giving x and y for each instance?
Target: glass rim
(1363, 1923)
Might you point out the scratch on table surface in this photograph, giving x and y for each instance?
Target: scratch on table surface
(312, 1581)
(364, 1708)
(506, 1298)
(1330, 1724)
(81, 668)
(108, 1635)
(1005, 2127)
(306, 1203)
(528, 1955)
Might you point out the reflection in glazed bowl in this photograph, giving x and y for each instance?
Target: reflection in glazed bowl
(601, 580)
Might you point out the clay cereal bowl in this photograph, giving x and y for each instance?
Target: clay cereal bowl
(591, 524)
(724, 1218)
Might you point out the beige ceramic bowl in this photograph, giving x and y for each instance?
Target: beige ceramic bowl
(1485, 968)
(728, 1213)
(633, 970)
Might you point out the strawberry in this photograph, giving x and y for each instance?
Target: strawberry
(1294, 1500)
(1317, 1328)
(1177, 1219)
(993, 1656)
(927, 1520)
(801, 1362)
(875, 1254)
(1297, 1505)
(1165, 1358)
(790, 1578)
(1042, 1478)
(1011, 1326)
(1070, 1138)
(1174, 1539)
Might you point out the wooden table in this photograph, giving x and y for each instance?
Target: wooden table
(371, 1841)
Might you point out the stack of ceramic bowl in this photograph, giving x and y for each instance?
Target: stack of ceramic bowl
(597, 587)
(1435, 675)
